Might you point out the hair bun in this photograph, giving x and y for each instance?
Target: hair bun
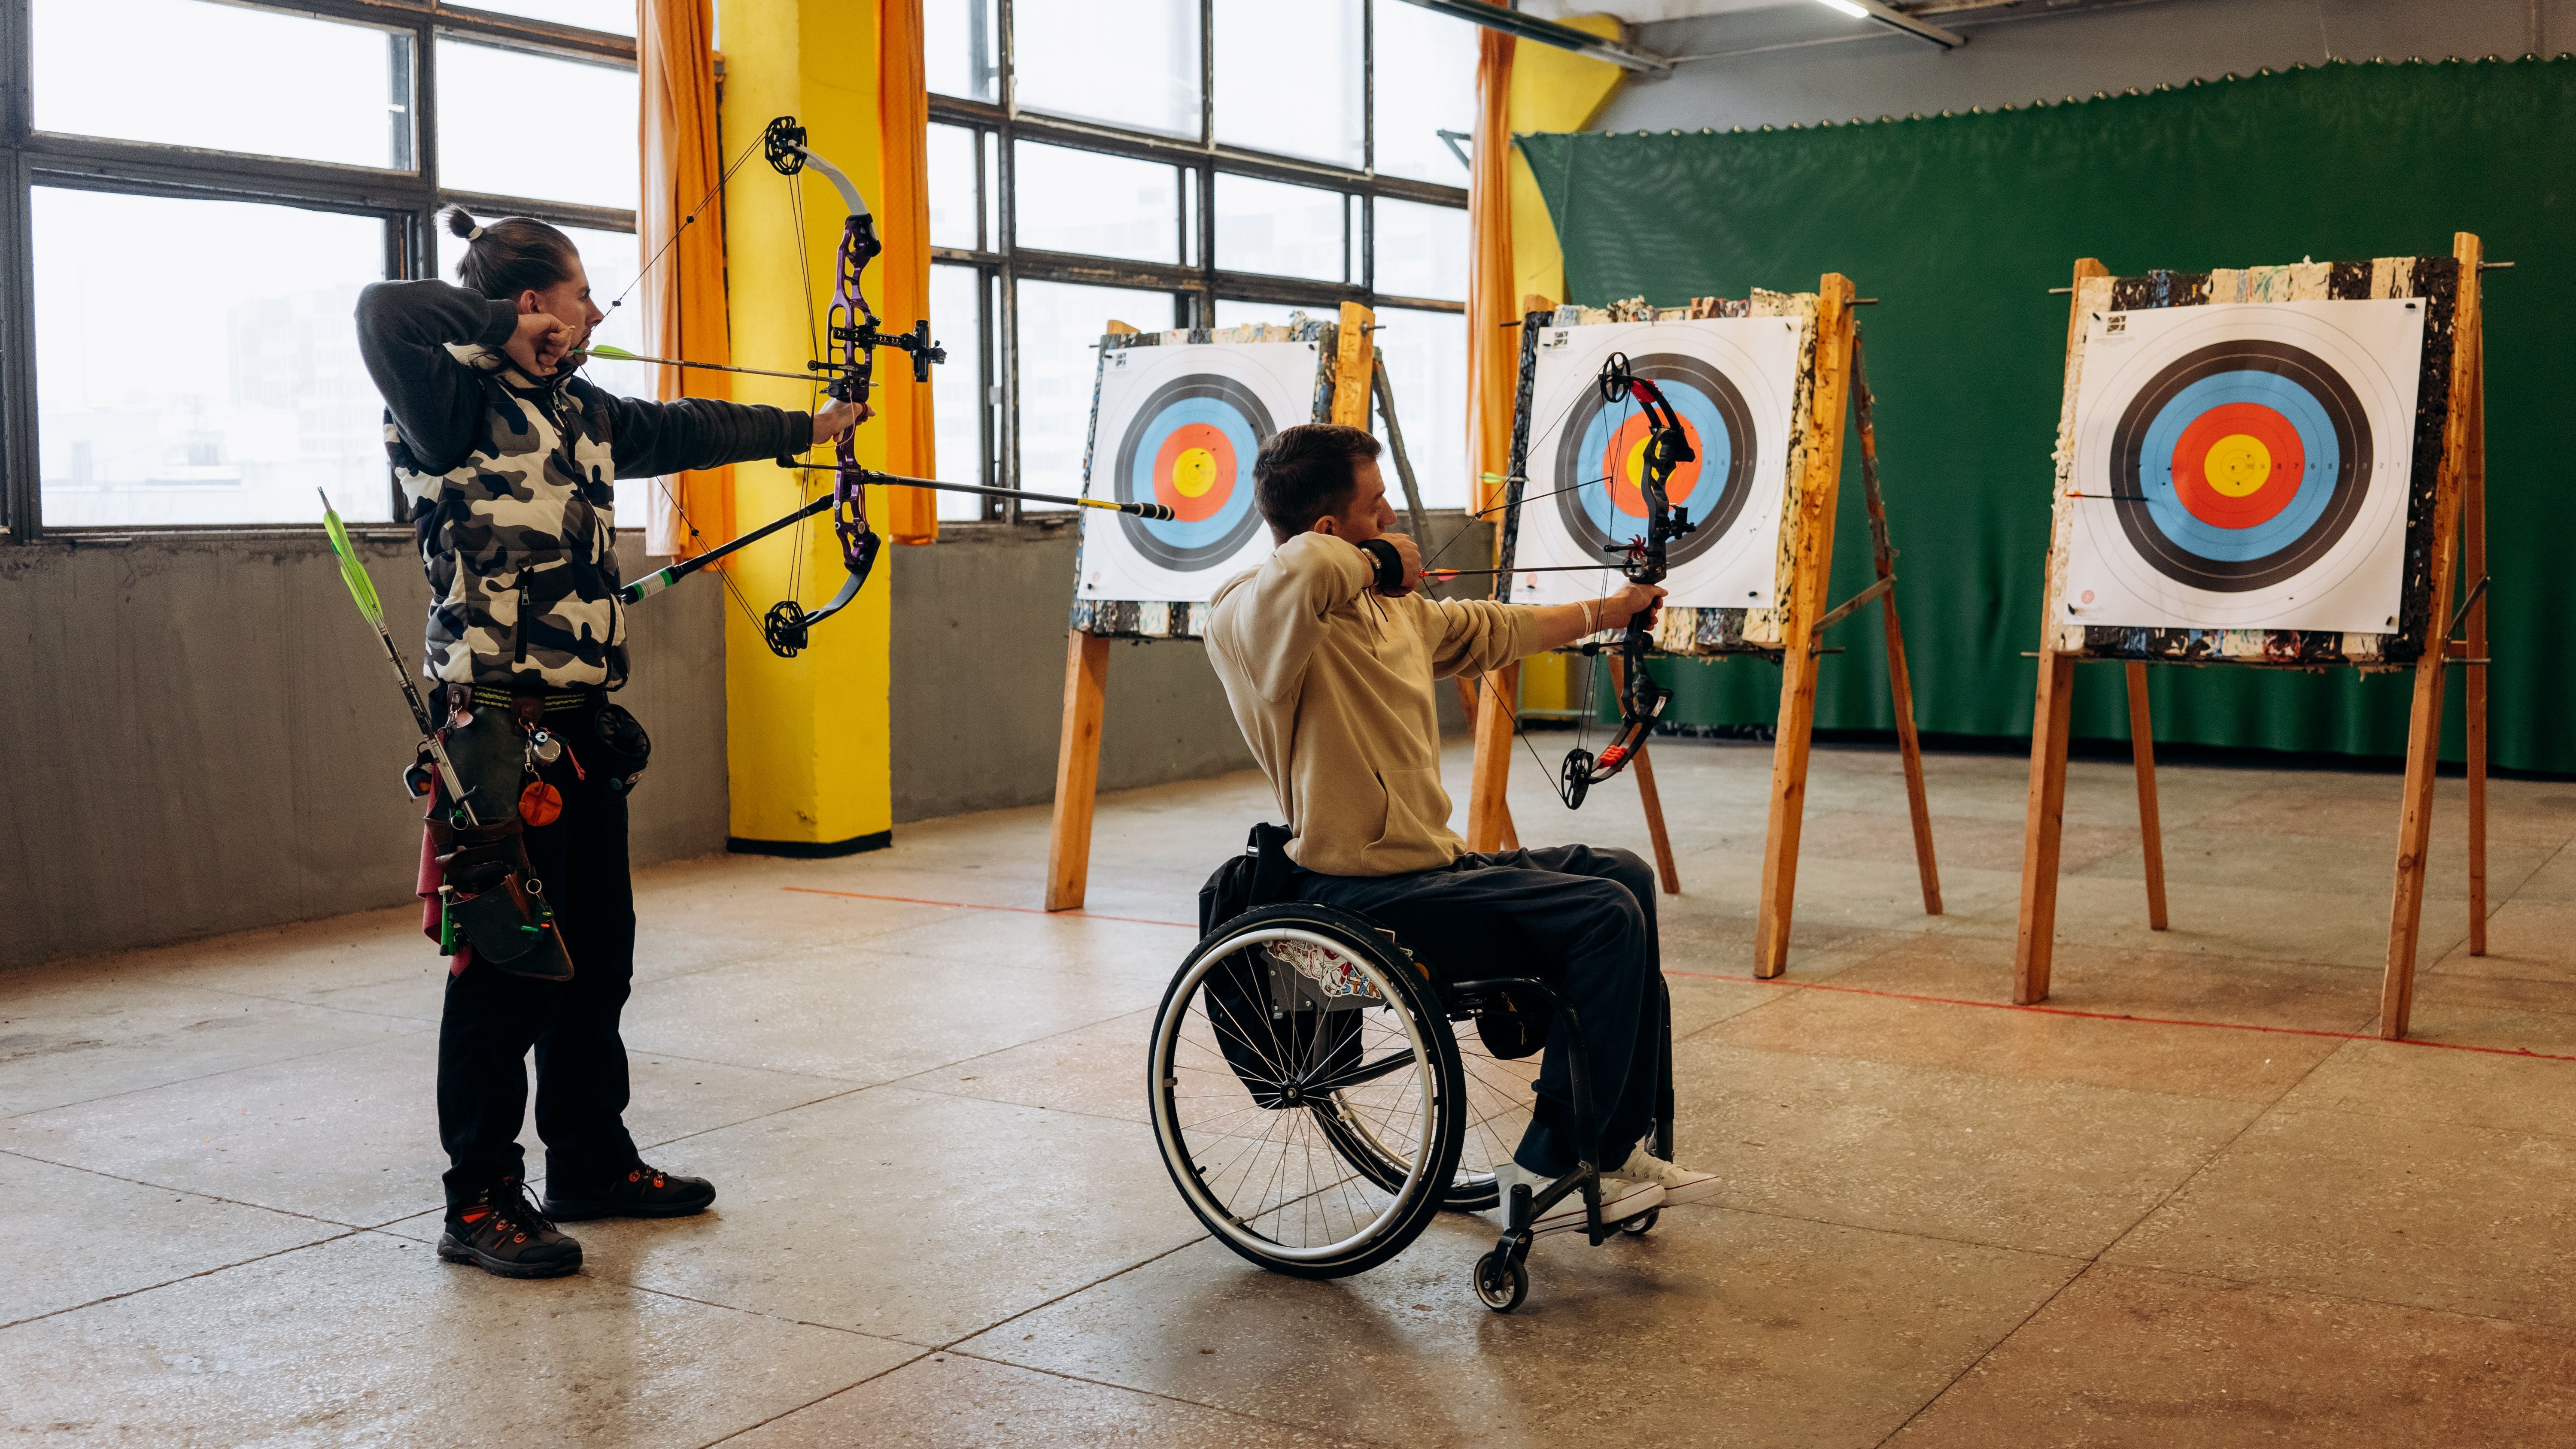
(460, 222)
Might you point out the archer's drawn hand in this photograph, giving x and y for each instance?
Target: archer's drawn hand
(539, 343)
(1615, 611)
(839, 418)
(1408, 553)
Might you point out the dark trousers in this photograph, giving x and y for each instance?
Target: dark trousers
(493, 1019)
(1580, 919)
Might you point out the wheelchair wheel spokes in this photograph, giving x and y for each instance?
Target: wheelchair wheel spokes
(1262, 1089)
(1497, 1113)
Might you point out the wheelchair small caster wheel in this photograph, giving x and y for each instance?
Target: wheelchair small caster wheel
(1642, 1224)
(1501, 1282)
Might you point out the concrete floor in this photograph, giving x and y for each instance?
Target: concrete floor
(942, 1221)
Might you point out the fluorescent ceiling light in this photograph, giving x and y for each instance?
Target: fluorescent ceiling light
(1895, 19)
(1846, 7)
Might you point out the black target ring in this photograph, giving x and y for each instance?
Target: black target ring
(2344, 415)
(1578, 475)
(1140, 532)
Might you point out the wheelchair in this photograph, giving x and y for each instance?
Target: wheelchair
(1316, 1108)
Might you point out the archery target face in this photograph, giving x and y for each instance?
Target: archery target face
(1733, 382)
(1180, 426)
(2244, 466)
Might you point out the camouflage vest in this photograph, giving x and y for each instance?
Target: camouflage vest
(516, 540)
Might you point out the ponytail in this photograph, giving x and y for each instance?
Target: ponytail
(513, 255)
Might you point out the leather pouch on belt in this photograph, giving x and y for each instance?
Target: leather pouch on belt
(499, 908)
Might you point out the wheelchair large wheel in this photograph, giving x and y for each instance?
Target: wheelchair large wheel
(1306, 1091)
(1496, 1112)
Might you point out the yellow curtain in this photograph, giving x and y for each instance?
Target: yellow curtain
(903, 119)
(1493, 350)
(683, 297)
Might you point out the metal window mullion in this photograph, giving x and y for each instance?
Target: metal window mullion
(1005, 241)
(19, 475)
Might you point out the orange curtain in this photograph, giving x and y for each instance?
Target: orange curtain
(683, 296)
(903, 120)
(1493, 349)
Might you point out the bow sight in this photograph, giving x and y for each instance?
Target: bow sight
(1643, 559)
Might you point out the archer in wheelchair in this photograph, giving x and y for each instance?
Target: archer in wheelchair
(1314, 1102)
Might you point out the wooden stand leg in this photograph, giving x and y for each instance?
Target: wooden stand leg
(1488, 810)
(1077, 770)
(1467, 704)
(1818, 489)
(1643, 768)
(2151, 833)
(2473, 562)
(2424, 720)
(1900, 683)
(2043, 828)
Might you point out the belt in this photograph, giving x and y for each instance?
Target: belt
(558, 703)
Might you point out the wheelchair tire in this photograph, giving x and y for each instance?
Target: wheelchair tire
(1502, 1281)
(1313, 1141)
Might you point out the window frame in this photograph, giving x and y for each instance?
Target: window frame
(1195, 284)
(406, 200)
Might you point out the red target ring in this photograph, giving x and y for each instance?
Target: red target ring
(2238, 465)
(1623, 462)
(1194, 471)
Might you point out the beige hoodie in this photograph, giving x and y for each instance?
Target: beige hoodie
(1331, 683)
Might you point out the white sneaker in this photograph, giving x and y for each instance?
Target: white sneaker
(1680, 1184)
(1621, 1198)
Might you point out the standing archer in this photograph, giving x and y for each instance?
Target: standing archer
(507, 458)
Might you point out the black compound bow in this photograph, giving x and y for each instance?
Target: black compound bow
(1644, 560)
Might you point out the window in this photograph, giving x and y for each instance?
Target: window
(1189, 165)
(160, 136)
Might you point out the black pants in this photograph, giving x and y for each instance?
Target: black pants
(1580, 919)
(493, 1019)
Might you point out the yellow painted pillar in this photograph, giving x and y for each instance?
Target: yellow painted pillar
(806, 737)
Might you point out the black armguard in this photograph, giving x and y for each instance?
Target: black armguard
(1390, 565)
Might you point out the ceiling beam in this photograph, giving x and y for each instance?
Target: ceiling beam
(1548, 32)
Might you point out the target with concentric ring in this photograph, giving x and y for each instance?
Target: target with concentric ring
(2240, 465)
(1190, 446)
(1600, 460)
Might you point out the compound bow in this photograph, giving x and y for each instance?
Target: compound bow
(1644, 560)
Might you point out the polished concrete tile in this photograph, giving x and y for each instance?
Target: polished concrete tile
(862, 1016)
(2052, 1167)
(1716, 1328)
(2434, 1214)
(2252, 1205)
(67, 1036)
(951, 1401)
(370, 1339)
(83, 1236)
(351, 1136)
(2128, 1357)
(904, 1214)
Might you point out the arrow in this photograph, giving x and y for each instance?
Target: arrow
(605, 353)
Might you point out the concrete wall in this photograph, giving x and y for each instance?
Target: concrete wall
(979, 650)
(201, 736)
(1805, 63)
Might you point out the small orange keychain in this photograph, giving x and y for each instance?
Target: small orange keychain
(540, 804)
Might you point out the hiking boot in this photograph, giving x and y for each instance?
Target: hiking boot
(502, 1232)
(644, 1192)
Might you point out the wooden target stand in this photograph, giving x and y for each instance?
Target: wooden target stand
(1358, 376)
(2459, 521)
(1839, 379)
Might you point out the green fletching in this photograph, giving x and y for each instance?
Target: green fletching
(606, 353)
(361, 588)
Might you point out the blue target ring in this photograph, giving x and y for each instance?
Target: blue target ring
(1190, 446)
(1598, 451)
(2272, 401)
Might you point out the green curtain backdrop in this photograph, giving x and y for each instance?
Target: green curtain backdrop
(1959, 225)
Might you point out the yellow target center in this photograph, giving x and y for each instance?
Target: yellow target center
(2237, 465)
(1193, 472)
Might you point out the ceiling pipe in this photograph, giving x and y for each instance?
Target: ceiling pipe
(1548, 32)
(1895, 19)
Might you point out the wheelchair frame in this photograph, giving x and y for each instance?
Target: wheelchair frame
(1378, 972)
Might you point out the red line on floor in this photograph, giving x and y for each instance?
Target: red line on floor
(2124, 1016)
(980, 906)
